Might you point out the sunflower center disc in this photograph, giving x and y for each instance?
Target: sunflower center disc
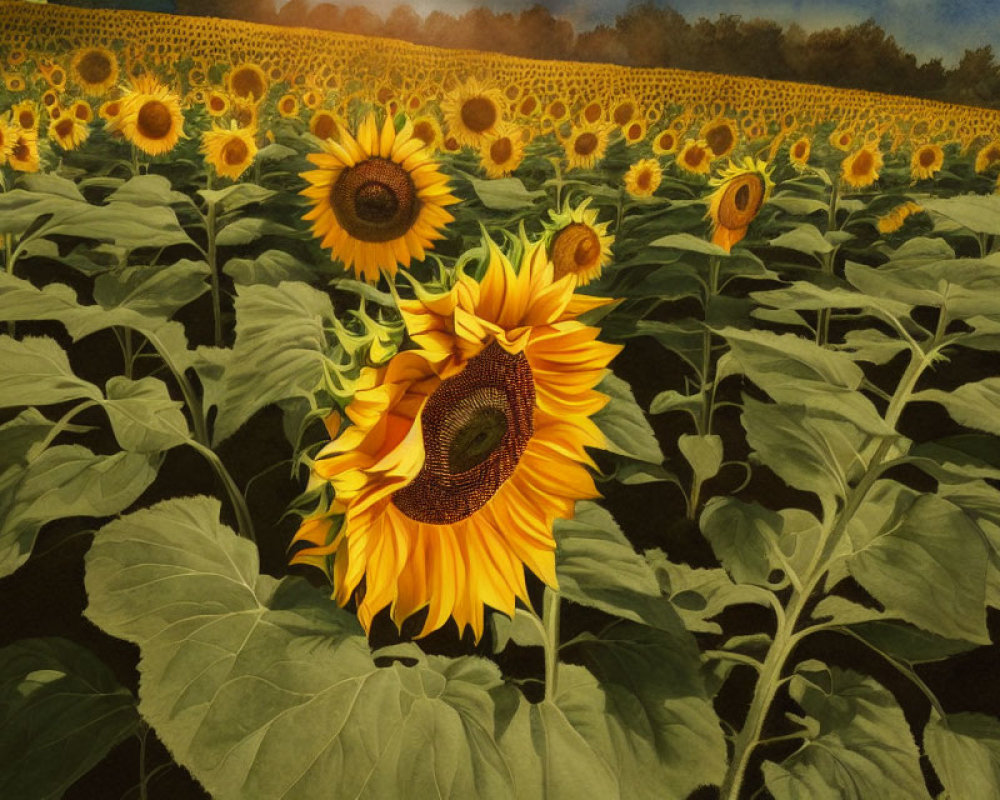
(741, 202)
(21, 151)
(585, 144)
(235, 152)
(742, 197)
(478, 114)
(95, 67)
(926, 158)
(64, 127)
(375, 200)
(501, 150)
(720, 139)
(154, 120)
(476, 427)
(863, 163)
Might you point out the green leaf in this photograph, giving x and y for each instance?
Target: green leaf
(504, 194)
(979, 213)
(248, 229)
(143, 417)
(684, 338)
(270, 267)
(19, 209)
(863, 748)
(964, 750)
(62, 712)
(690, 244)
(741, 536)
(152, 291)
(671, 400)
(804, 238)
(598, 567)
(703, 453)
(236, 196)
(279, 350)
(148, 190)
(54, 185)
(623, 424)
(19, 436)
(923, 559)
(975, 405)
(265, 689)
(65, 481)
(807, 296)
(522, 630)
(125, 224)
(36, 372)
(798, 206)
(873, 346)
(958, 459)
(985, 334)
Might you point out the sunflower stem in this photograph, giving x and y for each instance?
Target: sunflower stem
(214, 273)
(143, 774)
(550, 622)
(244, 522)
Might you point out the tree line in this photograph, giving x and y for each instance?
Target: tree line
(861, 56)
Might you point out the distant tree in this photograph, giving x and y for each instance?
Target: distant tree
(652, 36)
(325, 16)
(976, 79)
(403, 23)
(602, 44)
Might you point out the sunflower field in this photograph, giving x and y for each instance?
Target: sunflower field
(382, 421)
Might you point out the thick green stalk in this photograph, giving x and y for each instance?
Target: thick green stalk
(550, 622)
(214, 273)
(244, 522)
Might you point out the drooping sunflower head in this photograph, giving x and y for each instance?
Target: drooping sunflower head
(577, 243)
(150, 117)
(247, 81)
(860, 168)
(695, 157)
(643, 177)
(378, 198)
(68, 131)
(229, 151)
(23, 155)
(798, 153)
(586, 145)
(472, 111)
(720, 136)
(95, 70)
(454, 469)
(893, 221)
(988, 156)
(501, 152)
(741, 192)
(926, 161)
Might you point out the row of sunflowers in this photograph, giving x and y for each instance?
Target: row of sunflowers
(442, 424)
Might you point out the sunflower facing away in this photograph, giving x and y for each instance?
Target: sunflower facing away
(577, 243)
(150, 117)
(463, 454)
(742, 191)
(229, 151)
(378, 199)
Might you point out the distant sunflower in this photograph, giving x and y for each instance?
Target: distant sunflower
(634, 132)
(25, 115)
(798, 153)
(666, 142)
(893, 221)
(24, 150)
(623, 112)
(324, 124)
(585, 146)
(742, 191)
(643, 178)
(472, 111)
(110, 110)
(502, 151)
(6, 141)
(288, 106)
(842, 139)
(15, 83)
(68, 131)
(428, 130)
(150, 117)
(926, 161)
(247, 81)
(860, 168)
(82, 111)
(462, 456)
(720, 135)
(229, 151)
(94, 69)
(592, 112)
(378, 199)
(216, 103)
(577, 243)
(987, 156)
(695, 157)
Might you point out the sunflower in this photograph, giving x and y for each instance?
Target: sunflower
(216, 103)
(501, 152)
(288, 106)
(577, 243)
(94, 69)
(527, 106)
(230, 151)
(585, 146)
(461, 456)
(695, 157)
(623, 113)
(926, 161)
(472, 111)
(592, 112)
(15, 83)
(742, 191)
(643, 177)
(54, 75)
(557, 110)
(893, 221)
(378, 199)
(68, 131)
(988, 156)
(798, 153)
(842, 140)
(110, 110)
(634, 132)
(666, 142)
(24, 150)
(25, 115)
(6, 140)
(247, 81)
(50, 98)
(324, 124)
(861, 167)
(150, 117)
(82, 111)
(720, 136)
(428, 130)
(312, 99)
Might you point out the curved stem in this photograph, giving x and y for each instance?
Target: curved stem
(550, 622)
(63, 423)
(739, 658)
(244, 522)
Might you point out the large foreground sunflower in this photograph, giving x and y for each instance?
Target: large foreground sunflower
(378, 199)
(463, 454)
(742, 191)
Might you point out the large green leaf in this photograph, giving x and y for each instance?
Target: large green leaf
(125, 224)
(279, 350)
(143, 416)
(62, 711)
(35, 371)
(923, 559)
(623, 424)
(862, 748)
(19, 208)
(979, 213)
(270, 267)
(807, 296)
(236, 196)
(689, 243)
(265, 689)
(965, 752)
(975, 405)
(742, 536)
(804, 238)
(65, 481)
(148, 190)
(504, 194)
(153, 291)
(248, 229)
